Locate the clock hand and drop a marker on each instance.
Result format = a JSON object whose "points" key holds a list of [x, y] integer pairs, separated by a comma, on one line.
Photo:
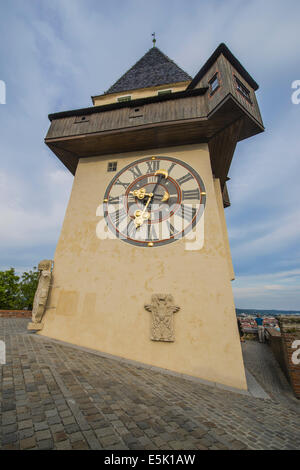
{"points": [[161, 174], [163, 197], [141, 216], [139, 193]]}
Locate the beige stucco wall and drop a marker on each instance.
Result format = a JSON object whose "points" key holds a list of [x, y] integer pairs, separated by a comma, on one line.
{"points": [[220, 205], [100, 286], [139, 93]]}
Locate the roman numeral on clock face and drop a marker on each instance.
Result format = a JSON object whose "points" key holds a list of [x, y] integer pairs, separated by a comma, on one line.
{"points": [[153, 166], [171, 167], [187, 212], [171, 229], [135, 171], [191, 194], [114, 200], [131, 229], [185, 178], [125, 185], [151, 233], [118, 216]]}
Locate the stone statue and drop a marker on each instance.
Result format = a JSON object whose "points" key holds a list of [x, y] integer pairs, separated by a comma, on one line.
{"points": [[162, 309], [41, 294]]}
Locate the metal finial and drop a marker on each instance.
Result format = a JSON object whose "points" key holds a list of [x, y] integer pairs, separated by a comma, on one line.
{"points": [[153, 40]]}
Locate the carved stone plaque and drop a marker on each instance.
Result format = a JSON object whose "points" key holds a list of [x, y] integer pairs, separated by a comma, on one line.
{"points": [[162, 310]]}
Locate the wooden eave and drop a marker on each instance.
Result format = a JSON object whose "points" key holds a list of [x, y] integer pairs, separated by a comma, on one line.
{"points": [[165, 122], [129, 104]]}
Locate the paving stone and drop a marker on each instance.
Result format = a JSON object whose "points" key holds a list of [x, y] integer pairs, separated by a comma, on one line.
{"points": [[92, 440], [71, 428], [42, 435], [109, 440], [76, 436], [38, 418], [25, 424], [59, 436], [24, 416], [68, 420], [47, 444], [9, 438], [56, 428], [41, 426], [65, 413], [54, 420], [63, 445], [9, 428], [28, 443], [24, 433], [80, 445], [11, 419], [49, 413], [12, 446], [105, 432]]}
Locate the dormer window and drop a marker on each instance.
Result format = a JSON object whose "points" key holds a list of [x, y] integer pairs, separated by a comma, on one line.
{"points": [[164, 92], [214, 84], [124, 98], [242, 89]]}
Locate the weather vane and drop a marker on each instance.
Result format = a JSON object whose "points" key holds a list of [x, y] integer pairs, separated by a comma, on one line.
{"points": [[153, 40]]}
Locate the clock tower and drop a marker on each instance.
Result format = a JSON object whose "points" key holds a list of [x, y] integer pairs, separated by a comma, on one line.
{"points": [[142, 269]]}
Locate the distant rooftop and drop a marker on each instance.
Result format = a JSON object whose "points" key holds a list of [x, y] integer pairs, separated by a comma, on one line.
{"points": [[153, 69]]}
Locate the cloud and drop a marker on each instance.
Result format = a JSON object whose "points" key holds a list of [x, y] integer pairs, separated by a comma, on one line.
{"points": [[276, 290], [24, 225]]}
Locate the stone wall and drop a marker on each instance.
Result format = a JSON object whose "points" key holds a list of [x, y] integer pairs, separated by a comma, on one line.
{"points": [[275, 342], [290, 334], [15, 313]]}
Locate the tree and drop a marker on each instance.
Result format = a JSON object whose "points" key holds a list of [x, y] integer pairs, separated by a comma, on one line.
{"points": [[16, 293], [28, 286], [9, 290]]}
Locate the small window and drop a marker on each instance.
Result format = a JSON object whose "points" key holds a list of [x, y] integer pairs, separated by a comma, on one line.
{"points": [[124, 98], [214, 84], [112, 166], [164, 92], [242, 89]]}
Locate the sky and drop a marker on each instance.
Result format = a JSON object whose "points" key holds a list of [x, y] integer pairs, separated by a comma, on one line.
{"points": [[56, 54]]}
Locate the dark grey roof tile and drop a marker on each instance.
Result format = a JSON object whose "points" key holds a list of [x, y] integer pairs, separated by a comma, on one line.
{"points": [[153, 69]]}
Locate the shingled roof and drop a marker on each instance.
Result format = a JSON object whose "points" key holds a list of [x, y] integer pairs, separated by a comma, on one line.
{"points": [[153, 69]]}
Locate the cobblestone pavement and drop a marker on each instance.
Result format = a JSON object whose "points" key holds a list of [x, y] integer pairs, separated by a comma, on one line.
{"points": [[57, 397], [260, 361]]}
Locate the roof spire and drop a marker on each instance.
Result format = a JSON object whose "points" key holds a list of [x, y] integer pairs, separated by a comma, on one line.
{"points": [[153, 40]]}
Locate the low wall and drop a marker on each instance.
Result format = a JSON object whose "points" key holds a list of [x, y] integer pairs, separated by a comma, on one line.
{"points": [[15, 313], [290, 337], [274, 339]]}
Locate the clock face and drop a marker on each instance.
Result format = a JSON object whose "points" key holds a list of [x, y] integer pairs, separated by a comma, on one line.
{"points": [[154, 201]]}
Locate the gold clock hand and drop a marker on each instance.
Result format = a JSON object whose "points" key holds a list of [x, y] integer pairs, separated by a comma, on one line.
{"points": [[139, 193], [141, 216]]}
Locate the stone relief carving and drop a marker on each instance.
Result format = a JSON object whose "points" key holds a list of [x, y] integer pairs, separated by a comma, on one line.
{"points": [[41, 294], [162, 310]]}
